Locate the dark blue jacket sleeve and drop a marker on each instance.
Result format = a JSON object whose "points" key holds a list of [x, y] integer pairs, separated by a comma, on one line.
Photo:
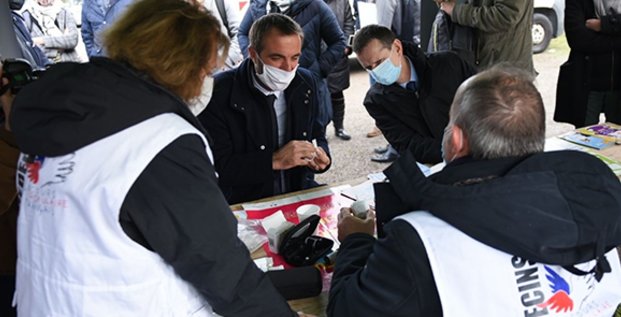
{"points": [[332, 35], [244, 30], [388, 277]]}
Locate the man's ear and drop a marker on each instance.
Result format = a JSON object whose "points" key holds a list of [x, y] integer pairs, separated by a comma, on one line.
{"points": [[252, 53], [399, 46], [459, 142]]}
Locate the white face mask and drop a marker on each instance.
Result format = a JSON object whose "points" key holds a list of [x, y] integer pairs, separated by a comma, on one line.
{"points": [[275, 78], [199, 103]]}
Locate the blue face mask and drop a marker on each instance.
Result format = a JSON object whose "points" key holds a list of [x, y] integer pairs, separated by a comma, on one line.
{"points": [[386, 73]]}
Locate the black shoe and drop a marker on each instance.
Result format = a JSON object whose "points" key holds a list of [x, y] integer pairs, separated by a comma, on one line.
{"points": [[381, 149], [387, 157], [341, 134]]}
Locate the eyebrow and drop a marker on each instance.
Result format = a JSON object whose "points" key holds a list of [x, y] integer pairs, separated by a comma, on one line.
{"points": [[283, 56], [377, 62]]}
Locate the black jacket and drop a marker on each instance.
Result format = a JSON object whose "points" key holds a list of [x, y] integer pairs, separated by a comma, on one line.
{"points": [[415, 121], [243, 126], [338, 79], [594, 62], [559, 208], [175, 207]]}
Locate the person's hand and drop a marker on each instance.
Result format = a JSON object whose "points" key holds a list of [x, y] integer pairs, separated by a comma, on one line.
{"points": [[348, 223], [447, 6], [38, 41], [594, 24], [295, 153], [301, 314], [320, 161], [6, 101]]}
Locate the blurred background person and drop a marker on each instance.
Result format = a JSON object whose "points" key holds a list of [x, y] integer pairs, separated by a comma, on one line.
{"points": [[338, 79], [589, 82], [53, 29], [448, 36], [119, 190], [227, 12], [32, 53], [96, 16], [402, 17], [502, 30]]}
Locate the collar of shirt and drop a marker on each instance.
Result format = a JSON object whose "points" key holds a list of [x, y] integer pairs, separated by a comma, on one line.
{"points": [[413, 75]]}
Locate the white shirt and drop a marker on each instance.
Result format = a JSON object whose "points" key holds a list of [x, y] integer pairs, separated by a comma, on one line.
{"points": [[280, 109]]}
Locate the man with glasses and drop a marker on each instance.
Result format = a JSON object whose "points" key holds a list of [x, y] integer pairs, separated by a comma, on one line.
{"points": [[413, 92]]}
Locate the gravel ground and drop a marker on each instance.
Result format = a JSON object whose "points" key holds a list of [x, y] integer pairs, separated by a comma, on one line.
{"points": [[351, 159]]}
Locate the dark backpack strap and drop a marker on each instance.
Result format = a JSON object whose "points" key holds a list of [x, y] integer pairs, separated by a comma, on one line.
{"points": [[602, 265], [223, 17]]}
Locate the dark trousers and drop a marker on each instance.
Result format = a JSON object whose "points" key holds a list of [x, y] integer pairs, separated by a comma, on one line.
{"points": [[338, 109], [7, 288], [608, 102]]}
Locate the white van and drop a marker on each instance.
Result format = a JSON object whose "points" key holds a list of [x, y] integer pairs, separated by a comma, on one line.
{"points": [[547, 23]]}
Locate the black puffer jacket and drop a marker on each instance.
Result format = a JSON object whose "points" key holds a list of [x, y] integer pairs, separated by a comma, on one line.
{"points": [[555, 208]]}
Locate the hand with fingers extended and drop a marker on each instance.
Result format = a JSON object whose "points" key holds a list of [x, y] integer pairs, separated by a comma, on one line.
{"points": [[295, 153], [320, 161], [348, 223]]}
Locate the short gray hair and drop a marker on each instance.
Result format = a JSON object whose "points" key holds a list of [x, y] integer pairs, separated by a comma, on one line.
{"points": [[282, 23], [501, 113]]}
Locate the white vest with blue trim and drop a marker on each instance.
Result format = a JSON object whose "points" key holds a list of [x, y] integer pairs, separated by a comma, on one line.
{"points": [[74, 259], [474, 279]]}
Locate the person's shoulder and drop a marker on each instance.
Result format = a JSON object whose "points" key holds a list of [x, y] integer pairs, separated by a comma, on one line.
{"points": [[444, 57], [258, 4], [306, 77], [225, 76], [305, 74], [449, 61], [374, 96]]}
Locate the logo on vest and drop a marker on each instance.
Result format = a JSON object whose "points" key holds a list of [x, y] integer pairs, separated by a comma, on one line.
{"points": [[35, 179], [529, 287], [560, 300], [33, 166]]}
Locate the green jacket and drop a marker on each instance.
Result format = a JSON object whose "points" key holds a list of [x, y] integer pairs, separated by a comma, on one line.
{"points": [[502, 29]]}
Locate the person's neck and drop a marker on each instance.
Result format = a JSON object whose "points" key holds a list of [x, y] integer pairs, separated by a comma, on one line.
{"points": [[406, 72]]}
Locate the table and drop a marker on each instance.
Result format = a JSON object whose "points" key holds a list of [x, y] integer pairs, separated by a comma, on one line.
{"points": [[317, 305], [313, 305]]}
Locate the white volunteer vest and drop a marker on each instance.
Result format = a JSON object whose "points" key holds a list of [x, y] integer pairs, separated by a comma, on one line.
{"points": [[474, 279], [74, 259]]}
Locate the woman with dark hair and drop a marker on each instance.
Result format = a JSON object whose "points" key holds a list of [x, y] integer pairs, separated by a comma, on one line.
{"points": [[120, 211]]}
